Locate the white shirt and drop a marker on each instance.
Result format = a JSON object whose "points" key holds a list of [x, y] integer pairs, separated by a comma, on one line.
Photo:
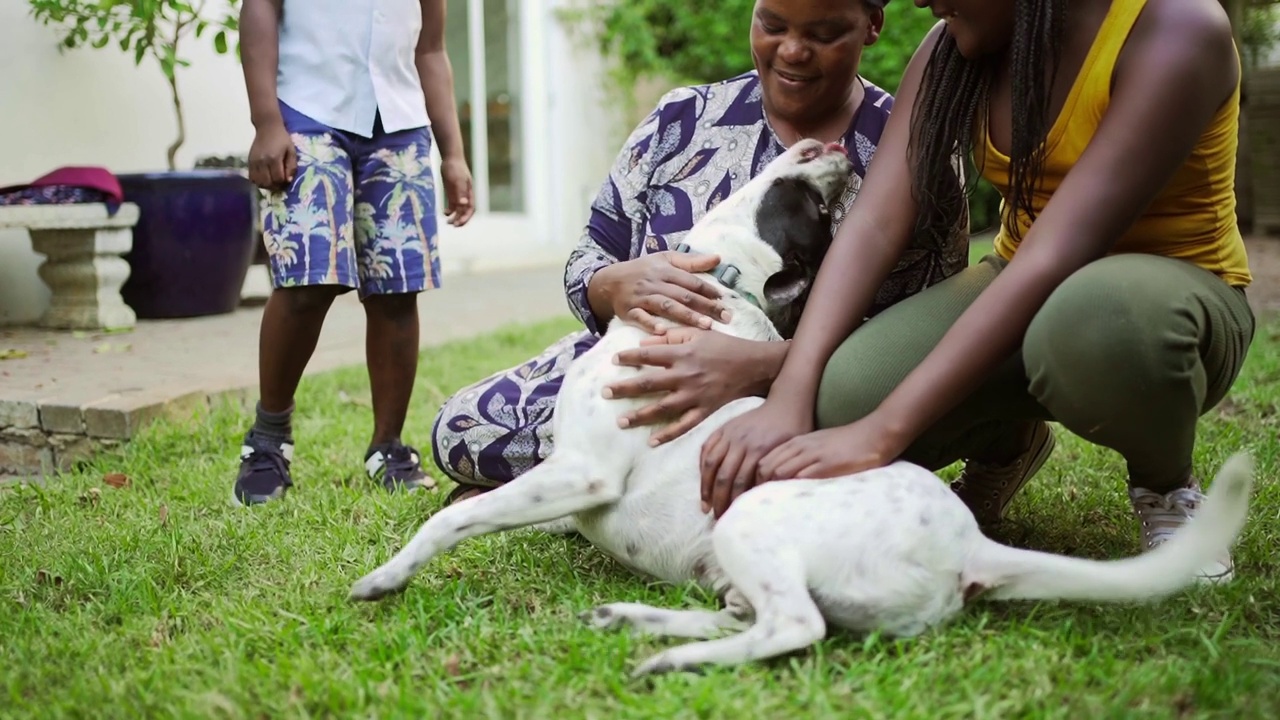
{"points": [[343, 61]]}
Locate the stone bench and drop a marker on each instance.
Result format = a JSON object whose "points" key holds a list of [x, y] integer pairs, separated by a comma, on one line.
{"points": [[84, 268]]}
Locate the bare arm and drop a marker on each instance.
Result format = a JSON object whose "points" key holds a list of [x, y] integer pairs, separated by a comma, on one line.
{"points": [[273, 160], [260, 56], [436, 75], [867, 246], [1179, 63]]}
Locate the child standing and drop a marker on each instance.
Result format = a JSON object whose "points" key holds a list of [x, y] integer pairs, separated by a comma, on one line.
{"points": [[345, 96]]}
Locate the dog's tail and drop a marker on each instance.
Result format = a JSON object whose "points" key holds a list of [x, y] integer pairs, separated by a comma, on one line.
{"points": [[1012, 574]]}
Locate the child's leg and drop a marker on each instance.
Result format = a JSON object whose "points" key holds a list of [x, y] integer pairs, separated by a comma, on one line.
{"points": [[396, 232], [308, 233], [291, 324]]}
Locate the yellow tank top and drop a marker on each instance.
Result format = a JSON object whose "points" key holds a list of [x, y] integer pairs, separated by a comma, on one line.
{"points": [[1194, 216]]}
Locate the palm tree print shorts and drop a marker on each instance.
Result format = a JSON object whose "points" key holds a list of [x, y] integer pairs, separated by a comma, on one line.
{"points": [[361, 212]]}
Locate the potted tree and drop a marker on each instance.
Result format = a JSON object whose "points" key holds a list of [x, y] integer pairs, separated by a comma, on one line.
{"points": [[197, 228]]}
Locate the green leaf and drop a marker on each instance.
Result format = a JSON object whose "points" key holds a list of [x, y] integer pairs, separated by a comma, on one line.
{"points": [[220, 42]]}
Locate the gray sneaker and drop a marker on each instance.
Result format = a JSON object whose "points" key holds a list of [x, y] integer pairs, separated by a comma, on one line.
{"points": [[988, 488], [1162, 515], [398, 467]]}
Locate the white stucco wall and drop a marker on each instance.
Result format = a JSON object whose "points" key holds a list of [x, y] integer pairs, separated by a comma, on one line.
{"points": [[95, 107]]}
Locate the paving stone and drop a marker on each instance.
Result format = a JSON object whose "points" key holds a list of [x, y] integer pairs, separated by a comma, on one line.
{"points": [[120, 416], [19, 414], [56, 417]]}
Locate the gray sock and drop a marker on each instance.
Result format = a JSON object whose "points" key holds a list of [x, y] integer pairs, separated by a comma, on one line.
{"points": [[274, 426]]}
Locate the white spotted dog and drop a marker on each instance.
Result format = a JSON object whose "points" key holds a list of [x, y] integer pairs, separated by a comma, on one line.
{"points": [[891, 550]]}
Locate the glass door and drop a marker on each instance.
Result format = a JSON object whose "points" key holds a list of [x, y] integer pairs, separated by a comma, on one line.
{"points": [[483, 40]]}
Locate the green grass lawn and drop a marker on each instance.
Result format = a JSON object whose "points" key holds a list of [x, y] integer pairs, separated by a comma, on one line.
{"points": [[160, 599]]}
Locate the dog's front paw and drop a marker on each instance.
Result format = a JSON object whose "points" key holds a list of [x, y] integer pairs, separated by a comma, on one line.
{"points": [[605, 617], [377, 585]]}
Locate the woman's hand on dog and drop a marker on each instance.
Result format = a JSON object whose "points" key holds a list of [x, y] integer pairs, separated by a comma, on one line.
{"points": [[692, 373], [862, 445], [731, 456], [659, 285]]}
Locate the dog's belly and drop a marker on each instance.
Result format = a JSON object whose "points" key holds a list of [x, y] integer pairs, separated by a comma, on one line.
{"points": [[881, 549], [654, 536]]}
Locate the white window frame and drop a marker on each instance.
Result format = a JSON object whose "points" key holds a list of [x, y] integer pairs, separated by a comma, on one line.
{"points": [[503, 239]]}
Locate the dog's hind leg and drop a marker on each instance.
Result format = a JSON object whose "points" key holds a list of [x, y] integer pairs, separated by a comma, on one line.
{"points": [[673, 623], [771, 578], [558, 487]]}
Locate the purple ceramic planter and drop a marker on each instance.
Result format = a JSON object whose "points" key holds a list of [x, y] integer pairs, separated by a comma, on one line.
{"points": [[193, 243]]}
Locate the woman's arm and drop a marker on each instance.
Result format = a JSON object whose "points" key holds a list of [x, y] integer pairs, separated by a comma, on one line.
{"points": [[867, 246], [607, 237], [602, 277], [1178, 67]]}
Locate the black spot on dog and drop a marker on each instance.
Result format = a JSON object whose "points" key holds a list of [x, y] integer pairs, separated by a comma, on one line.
{"points": [[793, 219], [535, 499], [924, 520], [633, 549], [603, 613], [594, 487]]}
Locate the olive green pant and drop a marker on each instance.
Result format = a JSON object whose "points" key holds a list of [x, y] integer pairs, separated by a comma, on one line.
{"points": [[1127, 353]]}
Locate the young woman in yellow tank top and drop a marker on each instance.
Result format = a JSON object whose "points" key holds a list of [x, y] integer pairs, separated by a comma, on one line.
{"points": [[1114, 301]]}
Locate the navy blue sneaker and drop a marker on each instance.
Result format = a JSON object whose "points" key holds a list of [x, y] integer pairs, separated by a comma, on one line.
{"points": [[264, 470], [397, 467]]}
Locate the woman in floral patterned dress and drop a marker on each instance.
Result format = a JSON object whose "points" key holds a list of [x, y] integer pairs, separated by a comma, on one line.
{"points": [[699, 145]]}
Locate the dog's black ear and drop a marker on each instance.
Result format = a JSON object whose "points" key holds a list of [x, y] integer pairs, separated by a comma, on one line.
{"points": [[793, 219], [787, 285]]}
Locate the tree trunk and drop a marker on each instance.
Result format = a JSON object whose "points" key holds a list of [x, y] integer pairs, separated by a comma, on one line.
{"points": [[182, 125]]}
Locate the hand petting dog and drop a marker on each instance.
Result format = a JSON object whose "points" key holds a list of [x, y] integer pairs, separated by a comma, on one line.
{"points": [[699, 372]]}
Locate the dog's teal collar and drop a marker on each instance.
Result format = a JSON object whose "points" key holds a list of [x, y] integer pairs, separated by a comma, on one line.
{"points": [[727, 274]]}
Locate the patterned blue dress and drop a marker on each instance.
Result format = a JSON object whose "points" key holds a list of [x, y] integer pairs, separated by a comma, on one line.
{"points": [[699, 145]]}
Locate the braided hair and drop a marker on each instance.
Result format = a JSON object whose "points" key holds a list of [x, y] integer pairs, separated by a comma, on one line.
{"points": [[952, 102]]}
